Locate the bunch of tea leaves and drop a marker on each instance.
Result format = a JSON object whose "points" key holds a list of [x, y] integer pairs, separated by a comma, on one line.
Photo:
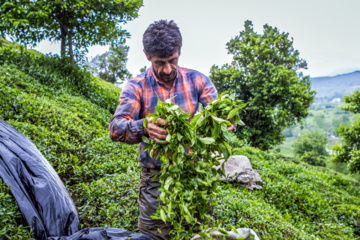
{"points": [[188, 180]]}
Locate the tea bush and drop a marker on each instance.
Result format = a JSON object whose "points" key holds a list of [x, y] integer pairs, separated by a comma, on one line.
{"points": [[67, 125], [12, 224], [62, 77], [111, 200], [66, 112]]}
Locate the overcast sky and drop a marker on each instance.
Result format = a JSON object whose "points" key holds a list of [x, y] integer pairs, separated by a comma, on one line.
{"points": [[326, 33]]}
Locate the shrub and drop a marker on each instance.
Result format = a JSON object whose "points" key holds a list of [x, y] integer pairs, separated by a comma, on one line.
{"points": [[12, 224], [70, 128], [310, 147]]}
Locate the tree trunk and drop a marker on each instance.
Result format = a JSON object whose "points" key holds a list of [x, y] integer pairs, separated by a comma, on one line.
{"points": [[72, 62], [63, 43]]}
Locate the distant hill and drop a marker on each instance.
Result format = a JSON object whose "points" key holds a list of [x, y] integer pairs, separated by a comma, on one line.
{"points": [[328, 88]]}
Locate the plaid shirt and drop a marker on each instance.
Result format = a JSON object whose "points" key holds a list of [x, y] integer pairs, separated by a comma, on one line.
{"points": [[139, 98]]}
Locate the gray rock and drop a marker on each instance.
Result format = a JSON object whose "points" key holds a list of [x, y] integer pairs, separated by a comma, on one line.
{"points": [[239, 169], [241, 233]]}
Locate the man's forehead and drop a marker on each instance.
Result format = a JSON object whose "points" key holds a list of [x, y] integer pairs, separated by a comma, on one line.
{"points": [[175, 55]]}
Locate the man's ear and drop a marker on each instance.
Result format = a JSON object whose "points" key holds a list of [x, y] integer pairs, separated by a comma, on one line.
{"points": [[147, 56]]}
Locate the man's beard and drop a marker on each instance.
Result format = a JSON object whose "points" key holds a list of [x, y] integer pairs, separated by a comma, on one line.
{"points": [[167, 77]]}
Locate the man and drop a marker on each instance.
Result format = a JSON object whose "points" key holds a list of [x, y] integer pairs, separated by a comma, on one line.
{"points": [[187, 88]]}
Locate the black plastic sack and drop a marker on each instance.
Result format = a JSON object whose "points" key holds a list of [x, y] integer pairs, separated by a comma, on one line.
{"points": [[104, 234], [41, 196]]}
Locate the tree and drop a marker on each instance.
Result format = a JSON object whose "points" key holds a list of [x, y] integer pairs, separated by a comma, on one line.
{"points": [[111, 66], [349, 150], [143, 69], [287, 132], [78, 24], [320, 123], [343, 120], [265, 73], [310, 147]]}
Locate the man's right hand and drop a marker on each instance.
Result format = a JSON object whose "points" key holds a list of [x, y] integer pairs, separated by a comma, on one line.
{"points": [[154, 131]]}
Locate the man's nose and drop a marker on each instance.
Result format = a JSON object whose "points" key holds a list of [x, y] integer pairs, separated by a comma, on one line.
{"points": [[167, 68]]}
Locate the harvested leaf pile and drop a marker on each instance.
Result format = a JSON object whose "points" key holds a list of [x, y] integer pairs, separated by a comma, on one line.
{"points": [[189, 181]]}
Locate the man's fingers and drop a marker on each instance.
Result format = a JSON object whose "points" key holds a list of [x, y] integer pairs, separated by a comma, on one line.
{"points": [[161, 121], [230, 128], [154, 128], [158, 136], [163, 131], [160, 141], [158, 121], [157, 132]]}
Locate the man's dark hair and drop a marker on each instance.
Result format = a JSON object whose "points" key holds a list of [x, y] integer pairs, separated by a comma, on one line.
{"points": [[162, 39]]}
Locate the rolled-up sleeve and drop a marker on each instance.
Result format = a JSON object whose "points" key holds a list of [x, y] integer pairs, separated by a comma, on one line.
{"points": [[207, 90], [126, 126]]}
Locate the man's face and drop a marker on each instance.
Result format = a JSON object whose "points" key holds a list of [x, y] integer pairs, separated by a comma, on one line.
{"points": [[165, 68]]}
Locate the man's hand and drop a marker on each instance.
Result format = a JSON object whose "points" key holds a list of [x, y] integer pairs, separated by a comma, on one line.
{"points": [[155, 132], [232, 127]]}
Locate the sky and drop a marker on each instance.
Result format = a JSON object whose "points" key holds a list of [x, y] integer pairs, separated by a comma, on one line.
{"points": [[326, 33]]}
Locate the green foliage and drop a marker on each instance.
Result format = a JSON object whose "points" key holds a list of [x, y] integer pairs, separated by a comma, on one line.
{"points": [[265, 73], [297, 202], [288, 132], [189, 182], [111, 201], [69, 127], [111, 66], [343, 120], [62, 77], [143, 69], [348, 151], [332, 119], [310, 147], [319, 120], [77, 23], [12, 224], [17, 47]]}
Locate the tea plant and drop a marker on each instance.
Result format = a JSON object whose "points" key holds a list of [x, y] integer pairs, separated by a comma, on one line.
{"points": [[11, 223], [69, 125], [189, 181]]}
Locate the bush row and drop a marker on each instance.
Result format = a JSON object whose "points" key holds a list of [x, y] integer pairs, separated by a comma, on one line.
{"points": [[70, 128]]}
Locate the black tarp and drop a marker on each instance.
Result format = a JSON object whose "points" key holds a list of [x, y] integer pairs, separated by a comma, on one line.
{"points": [[41, 196]]}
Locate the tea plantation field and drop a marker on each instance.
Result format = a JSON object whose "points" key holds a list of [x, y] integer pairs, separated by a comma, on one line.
{"points": [[65, 111]]}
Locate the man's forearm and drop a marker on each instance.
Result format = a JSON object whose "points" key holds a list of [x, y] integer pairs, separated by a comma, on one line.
{"points": [[126, 130]]}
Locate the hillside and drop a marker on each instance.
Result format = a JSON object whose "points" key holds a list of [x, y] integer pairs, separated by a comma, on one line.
{"points": [[328, 88], [65, 111]]}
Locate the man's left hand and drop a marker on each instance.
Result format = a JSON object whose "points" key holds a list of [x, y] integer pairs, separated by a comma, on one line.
{"points": [[232, 127]]}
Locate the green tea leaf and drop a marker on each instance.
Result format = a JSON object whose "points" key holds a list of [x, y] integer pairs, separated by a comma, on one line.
{"points": [[155, 119], [145, 123], [162, 215], [233, 112], [168, 137], [207, 140], [168, 182], [241, 123], [219, 120]]}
